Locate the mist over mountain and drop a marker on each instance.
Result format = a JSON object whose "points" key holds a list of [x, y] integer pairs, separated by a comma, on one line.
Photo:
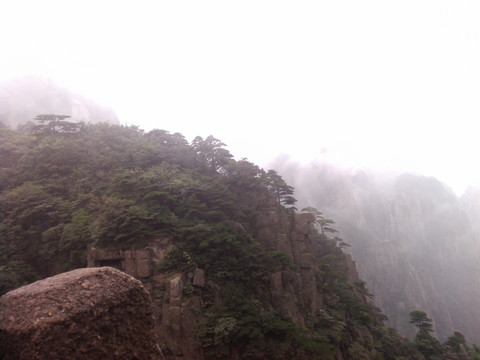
{"points": [[233, 272], [23, 98], [414, 241]]}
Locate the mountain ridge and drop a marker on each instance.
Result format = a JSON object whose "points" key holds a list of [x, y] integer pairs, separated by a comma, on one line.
{"points": [[238, 272], [413, 240]]}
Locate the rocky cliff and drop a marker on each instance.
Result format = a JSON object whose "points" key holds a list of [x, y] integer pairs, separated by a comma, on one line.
{"points": [[181, 299], [414, 242], [233, 271]]}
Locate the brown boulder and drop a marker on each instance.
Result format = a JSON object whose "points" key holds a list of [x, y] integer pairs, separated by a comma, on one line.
{"points": [[199, 278], [91, 313]]}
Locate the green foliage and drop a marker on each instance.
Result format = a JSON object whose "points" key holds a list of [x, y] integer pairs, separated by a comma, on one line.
{"points": [[9, 279], [283, 192], [424, 342], [175, 259], [67, 185], [211, 153], [121, 222], [64, 187], [324, 224], [348, 312], [357, 351], [421, 321], [247, 328], [474, 352], [49, 124], [283, 259], [455, 341], [215, 335], [76, 233]]}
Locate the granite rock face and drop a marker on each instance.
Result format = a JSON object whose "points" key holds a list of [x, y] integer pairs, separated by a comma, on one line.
{"points": [[175, 316], [92, 313], [415, 243], [293, 290]]}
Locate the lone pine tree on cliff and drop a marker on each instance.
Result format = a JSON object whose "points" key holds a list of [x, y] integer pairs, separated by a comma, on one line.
{"points": [[49, 124], [424, 341], [324, 224], [211, 152], [282, 191]]}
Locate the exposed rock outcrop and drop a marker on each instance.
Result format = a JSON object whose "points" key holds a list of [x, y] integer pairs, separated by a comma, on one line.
{"points": [[175, 316], [92, 313], [179, 300], [292, 289], [414, 243]]}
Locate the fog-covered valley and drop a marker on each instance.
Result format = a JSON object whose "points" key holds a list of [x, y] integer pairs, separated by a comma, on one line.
{"points": [[415, 242], [269, 256], [277, 180]]}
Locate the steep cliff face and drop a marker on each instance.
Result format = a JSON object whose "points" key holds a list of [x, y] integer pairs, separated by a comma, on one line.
{"points": [[294, 290], [322, 291], [232, 271], [411, 238], [182, 301]]}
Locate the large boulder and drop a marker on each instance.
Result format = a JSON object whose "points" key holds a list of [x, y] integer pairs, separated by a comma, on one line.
{"points": [[91, 313]]}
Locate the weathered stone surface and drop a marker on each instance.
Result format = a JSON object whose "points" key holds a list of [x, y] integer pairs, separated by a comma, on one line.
{"points": [[176, 291], [276, 281], [96, 256], [142, 254], [92, 313], [303, 222], [143, 268], [291, 281], [284, 244], [176, 287], [307, 261], [199, 278], [130, 264]]}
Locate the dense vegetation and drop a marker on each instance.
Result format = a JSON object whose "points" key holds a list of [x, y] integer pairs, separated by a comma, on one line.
{"points": [[116, 186], [66, 186]]}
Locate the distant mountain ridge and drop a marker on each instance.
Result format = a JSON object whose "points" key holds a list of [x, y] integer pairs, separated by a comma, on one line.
{"points": [[163, 210], [23, 98], [232, 270], [414, 241]]}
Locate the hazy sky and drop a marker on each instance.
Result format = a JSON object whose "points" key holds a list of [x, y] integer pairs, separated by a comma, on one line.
{"points": [[387, 84]]}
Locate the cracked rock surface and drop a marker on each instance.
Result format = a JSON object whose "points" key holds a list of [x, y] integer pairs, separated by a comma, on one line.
{"points": [[91, 313]]}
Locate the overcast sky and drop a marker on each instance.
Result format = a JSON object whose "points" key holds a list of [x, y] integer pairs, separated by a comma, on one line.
{"points": [[385, 84]]}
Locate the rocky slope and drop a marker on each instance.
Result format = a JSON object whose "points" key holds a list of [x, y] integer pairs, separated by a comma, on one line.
{"points": [[297, 291], [234, 272], [414, 241]]}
